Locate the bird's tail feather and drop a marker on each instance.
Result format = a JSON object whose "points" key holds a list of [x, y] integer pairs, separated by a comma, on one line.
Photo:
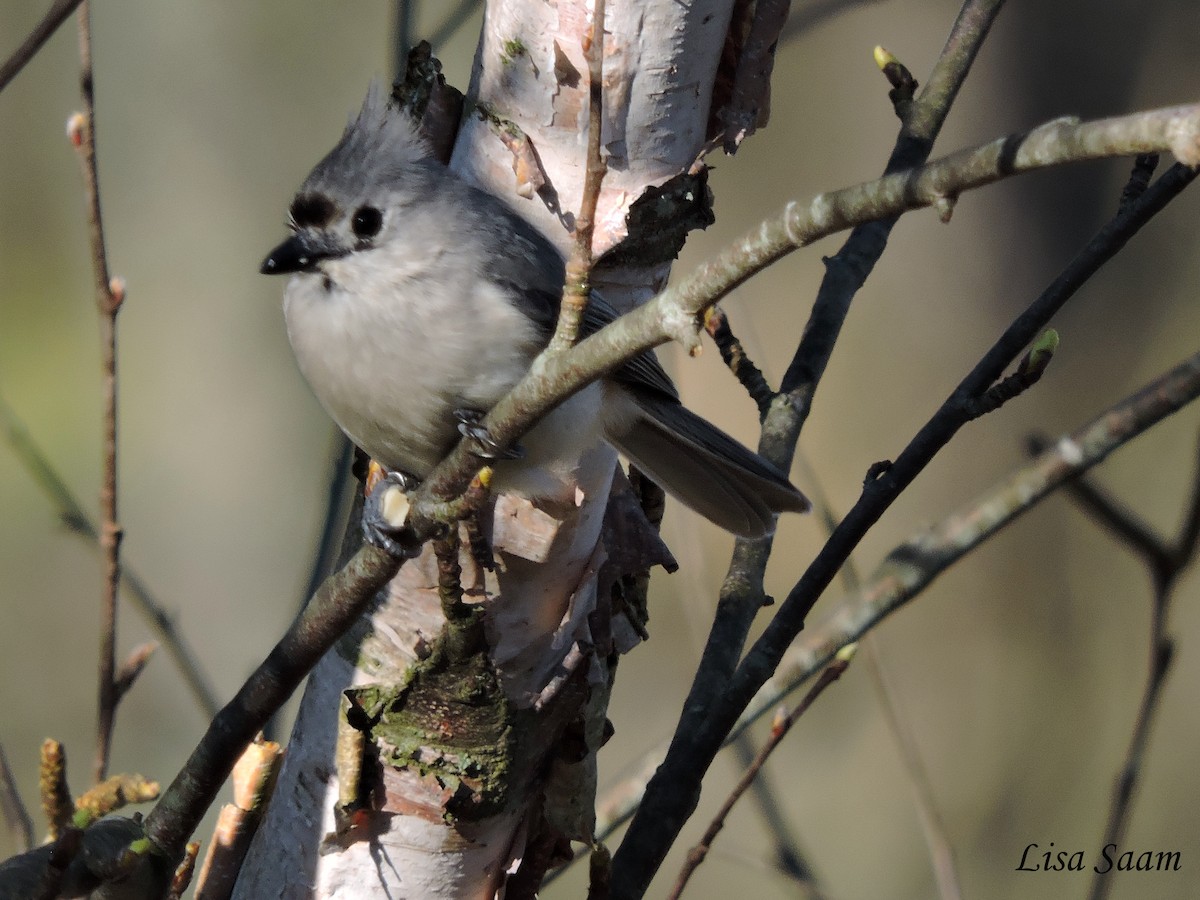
{"points": [[704, 468]]}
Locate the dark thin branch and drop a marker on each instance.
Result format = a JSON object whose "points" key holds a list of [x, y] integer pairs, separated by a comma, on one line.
{"points": [[55, 16], [742, 593], [1189, 532], [1164, 562], [342, 598], [110, 293], [1162, 651], [787, 854], [77, 521], [405, 13], [815, 12], [16, 816], [455, 19], [674, 791], [1115, 516], [1139, 178], [733, 354], [779, 731]]}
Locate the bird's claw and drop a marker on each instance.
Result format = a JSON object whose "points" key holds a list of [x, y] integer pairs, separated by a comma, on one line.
{"points": [[386, 513], [486, 447]]}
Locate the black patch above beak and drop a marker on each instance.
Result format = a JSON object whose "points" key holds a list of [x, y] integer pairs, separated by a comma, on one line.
{"points": [[296, 254]]}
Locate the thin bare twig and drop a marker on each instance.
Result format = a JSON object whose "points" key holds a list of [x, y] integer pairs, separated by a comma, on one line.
{"points": [[55, 16], [1124, 523], [78, 522], [132, 667], [109, 295], [734, 355], [576, 288], [254, 779], [1165, 562], [742, 593], [16, 816], [787, 856], [183, 872], [779, 731], [933, 827]]}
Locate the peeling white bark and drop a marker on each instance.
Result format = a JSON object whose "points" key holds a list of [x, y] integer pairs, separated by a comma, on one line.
{"points": [[660, 63]]}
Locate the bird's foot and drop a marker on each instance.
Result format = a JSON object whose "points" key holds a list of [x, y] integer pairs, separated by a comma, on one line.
{"points": [[386, 513]]}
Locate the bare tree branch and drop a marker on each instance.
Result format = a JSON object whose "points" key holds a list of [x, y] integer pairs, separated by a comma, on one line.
{"points": [[341, 600], [779, 730], [674, 790], [674, 313], [55, 16], [110, 293]]}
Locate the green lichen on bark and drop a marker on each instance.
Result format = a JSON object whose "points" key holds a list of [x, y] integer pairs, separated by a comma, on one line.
{"points": [[449, 720]]}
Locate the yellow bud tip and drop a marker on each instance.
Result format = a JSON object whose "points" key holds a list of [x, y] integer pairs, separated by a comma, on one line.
{"points": [[780, 718], [75, 126], [1041, 352], [485, 476], [1047, 343], [883, 58], [846, 653]]}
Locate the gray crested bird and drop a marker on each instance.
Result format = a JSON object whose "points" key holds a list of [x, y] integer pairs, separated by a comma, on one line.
{"points": [[415, 296]]}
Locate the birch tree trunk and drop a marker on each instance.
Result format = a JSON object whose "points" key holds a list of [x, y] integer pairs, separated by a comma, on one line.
{"points": [[455, 793]]}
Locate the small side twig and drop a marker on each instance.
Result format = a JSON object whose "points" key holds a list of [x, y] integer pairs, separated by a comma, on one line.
{"points": [[183, 872], [55, 16], [716, 323], [1144, 165], [16, 816], [254, 779], [1029, 372], [1126, 525], [112, 794], [779, 729], [110, 293], [787, 856], [132, 667], [579, 264]]}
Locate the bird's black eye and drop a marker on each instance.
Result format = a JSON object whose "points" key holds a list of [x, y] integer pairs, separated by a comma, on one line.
{"points": [[366, 222]]}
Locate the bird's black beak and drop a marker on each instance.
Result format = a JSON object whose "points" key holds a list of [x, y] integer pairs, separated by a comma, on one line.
{"points": [[296, 254]]}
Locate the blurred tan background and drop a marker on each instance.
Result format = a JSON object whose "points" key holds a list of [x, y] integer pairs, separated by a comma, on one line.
{"points": [[1019, 671]]}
